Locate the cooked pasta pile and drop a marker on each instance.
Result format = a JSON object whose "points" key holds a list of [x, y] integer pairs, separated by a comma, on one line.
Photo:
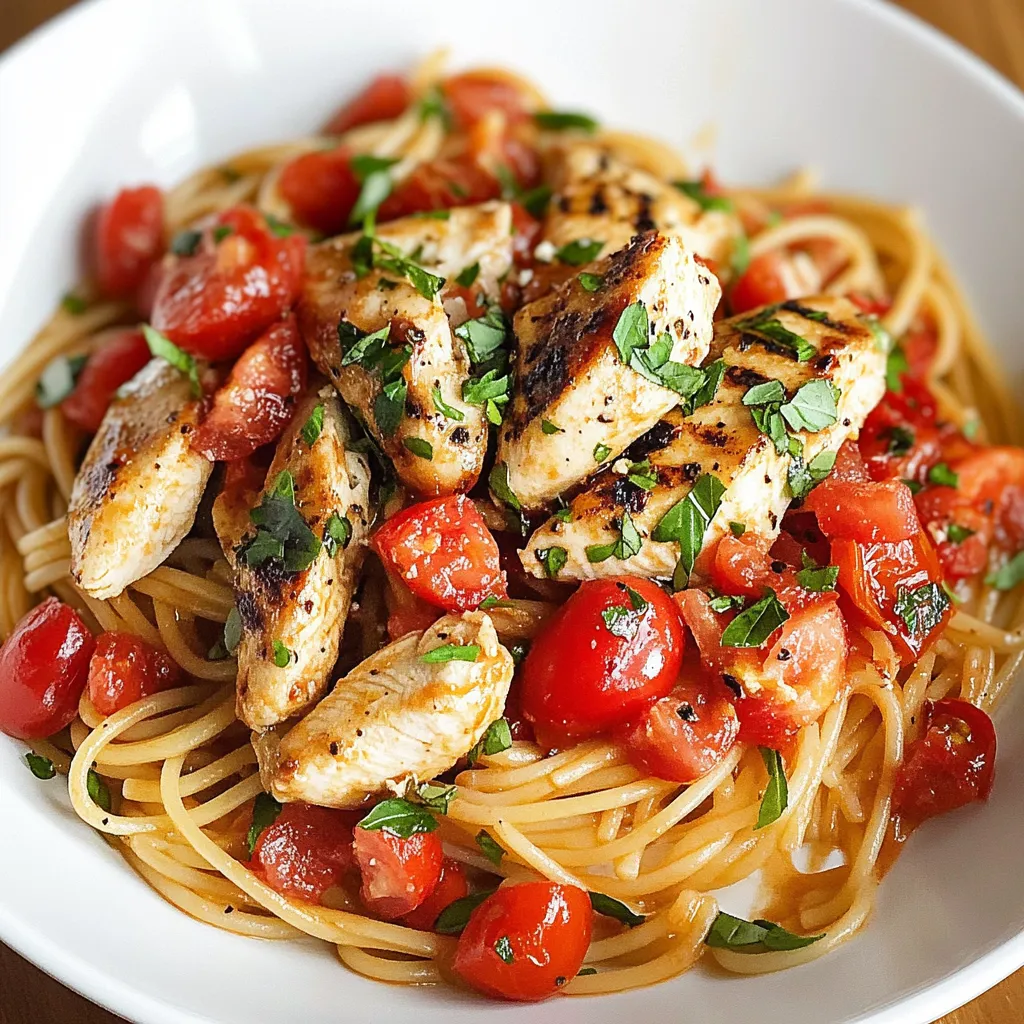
{"points": [[182, 772]]}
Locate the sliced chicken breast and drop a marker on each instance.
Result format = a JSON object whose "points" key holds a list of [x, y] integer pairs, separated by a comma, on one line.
{"points": [[721, 440], [576, 403], [292, 621], [599, 197], [394, 717], [140, 484], [435, 439]]}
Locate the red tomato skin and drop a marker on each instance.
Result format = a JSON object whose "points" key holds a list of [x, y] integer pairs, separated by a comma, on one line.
{"points": [[258, 400], [761, 284], [398, 874], [579, 679], [451, 886], [305, 851], [441, 184], [129, 239], [386, 97], [116, 360], [951, 765], [44, 665], [548, 928], [407, 613], [212, 304], [682, 749], [442, 550], [321, 188], [867, 513], [124, 669], [474, 94]]}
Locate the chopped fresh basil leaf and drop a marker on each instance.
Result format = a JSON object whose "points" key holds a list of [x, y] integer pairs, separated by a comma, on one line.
{"points": [[446, 410], [895, 366], [901, 440], [921, 608], [687, 521], [563, 515], [468, 275], [559, 120], [586, 972], [818, 579], [765, 394], [726, 603], [628, 544], [492, 849], [165, 349], [737, 529], [590, 282], [488, 388], [430, 794], [232, 630], [752, 627], [497, 737], [740, 255], [485, 335], [536, 200], [553, 560], [451, 652], [282, 534], [221, 232], [313, 426], [282, 655], [504, 949], [641, 475], [400, 817], [265, 810], [419, 447], [583, 250], [609, 907], [631, 330], [498, 481], [372, 172], [705, 394], [185, 243], [1009, 575], [74, 304], [697, 191], [813, 407], [941, 475], [337, 534], [41, 767], [278, 227], [741, 936], [601, 452], [776, 796], [915, 486], [971, 427], [361, 348], [494, 602], [518, 652], [454, 918], [957, 534], [765, 324], [58, 380], [624, 622], [97, 790], [550, 428], [389, 406], [432, 214]]}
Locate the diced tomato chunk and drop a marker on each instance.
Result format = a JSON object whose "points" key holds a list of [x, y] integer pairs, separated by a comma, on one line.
{"points": [[258, 400], [129, 239], [124, 669], [474, 94], [398, 873], [240, 280], [305, 851], [440, 185], [865, 512], [451, 886], [321, 188], [952, 763], [118, 356], [762, 283], [442, 550], [386, 97], [524, 942], [44, 665]]}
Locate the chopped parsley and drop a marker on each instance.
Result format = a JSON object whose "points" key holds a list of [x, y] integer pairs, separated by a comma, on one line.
{"points": [[449, 412], [282, 535], [282, 655], [590, 282], [490, 391], [601, 452], [451, 652], [941, 475], [548, 427], [337, 534], [313, 426], [485, 335]]}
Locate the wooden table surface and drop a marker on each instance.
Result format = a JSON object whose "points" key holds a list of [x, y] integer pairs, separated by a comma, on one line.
{"points": [[994, 29]]}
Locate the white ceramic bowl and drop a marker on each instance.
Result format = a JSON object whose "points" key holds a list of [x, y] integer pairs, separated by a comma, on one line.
{"points": [[124, 91]]}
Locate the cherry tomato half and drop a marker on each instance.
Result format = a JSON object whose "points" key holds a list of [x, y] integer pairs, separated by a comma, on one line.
{"points": [[441, 185], [762, 283], [442, 550], [258, 400], [129, 239], [44, 665], [526, 941], [124, 669], [305, 851], [321, 189], [240, 280], [952, 764], [398, 874], [119, 355], [611, 650], [384, 98], [451, 886]]}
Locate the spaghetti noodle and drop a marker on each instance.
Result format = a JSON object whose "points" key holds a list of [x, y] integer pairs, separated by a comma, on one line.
{"points": [[181, 770]]}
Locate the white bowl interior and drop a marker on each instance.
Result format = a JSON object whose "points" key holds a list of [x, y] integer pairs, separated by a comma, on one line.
{"points": [[150, 91]]}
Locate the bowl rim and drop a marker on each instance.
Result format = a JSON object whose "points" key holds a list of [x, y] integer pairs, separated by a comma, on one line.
{"points": [[927, 1003]]}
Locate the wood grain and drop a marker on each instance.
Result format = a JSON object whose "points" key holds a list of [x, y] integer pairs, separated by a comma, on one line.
{"points": [[994, 29]]}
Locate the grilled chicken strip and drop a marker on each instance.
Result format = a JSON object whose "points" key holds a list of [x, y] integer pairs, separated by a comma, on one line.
{"points": [[435, 451], [599, 197], [576, 404], [392, 718], [721, 439], [138, 488], [292, 621]]}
